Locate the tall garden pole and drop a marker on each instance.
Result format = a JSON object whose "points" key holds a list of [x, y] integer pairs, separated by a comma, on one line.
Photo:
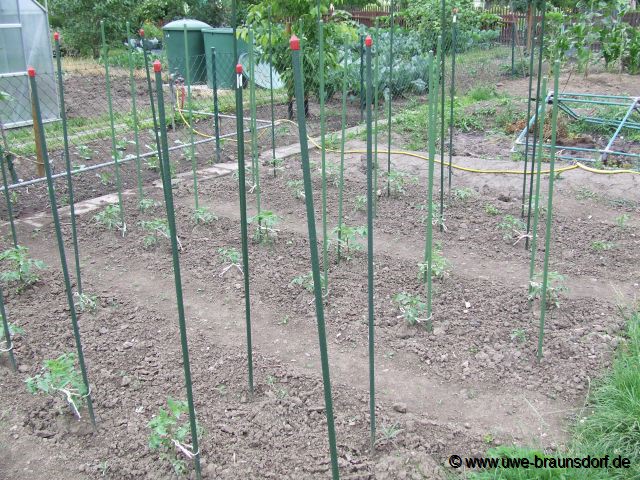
{"points": [[171, 220], [67, 164], [533, 26], [255, 163], [63, 258], [370, 166], [313, 245], [343, 126], [536, 210], [376, 80], [390, 94], [325, 236], [134, 112], [540, 125], [243, 219], [114, 149], [442, 114], [192, 148], [513, 41], [7, 334], [547, 242], [7, 197], [153, 106], [273, 116], [216, 110], [362, 94], [454, 45]]}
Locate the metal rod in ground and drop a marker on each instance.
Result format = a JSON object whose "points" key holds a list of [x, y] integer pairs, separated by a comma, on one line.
{"points": [[114, 148], [530, 86], [192, 149], [4, 158], [533, 152], [171, 220], [63, 258], [433, 115], [7, 333], [443, 58], [255, 163], [243, 219], [145, 48], [513, 41], [376, 81], [323, 159], [547, 241], [134, 113], [343, 126], [313, 245], [370, 195], [362, 94], [273, 116], [454, 45], [536, 203], [67, 164], [216, 117], [390, 97]]}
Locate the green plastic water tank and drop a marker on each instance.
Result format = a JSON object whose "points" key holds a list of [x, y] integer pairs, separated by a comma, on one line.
{"points": [[222, 40], [191, 54]]}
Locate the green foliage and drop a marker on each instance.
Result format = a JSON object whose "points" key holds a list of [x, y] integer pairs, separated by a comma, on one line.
{"points": [[22, 269], [204, 216], [491, 210], [511, 227], [555, 287], [155, 229], [622, 220], [464, 194], [306, 281], [109, 217], [412, 308], [439, 264], [266, 222], [297, 188], [601, 245], [13, 329], [230, 256], [398, 181], [345, 239], [148, 204], [60, 377], [86, 302], [360, 203], [170, 431]]}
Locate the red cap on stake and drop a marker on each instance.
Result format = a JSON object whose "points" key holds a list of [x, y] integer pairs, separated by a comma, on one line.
{"points": [[294, 43], [31, 72], [157, 66], [141, 32], [239, 69], [56, 36], [368, 41]]}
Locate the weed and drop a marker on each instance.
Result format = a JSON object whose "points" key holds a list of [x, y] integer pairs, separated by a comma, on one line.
{"points": [[555, 287], [360, 203], [583, 193], [231, 256], [266, 231], [491, 210], [86, 302], [203, 216], [439, 264], [109, 217], [488, 438], [601, 245], [285, 320], [306, 281], [389, 433], [297, 188], [412, 308], [169, 434], [345, 239], [511, 228], [398, 182], [482, 93], [519, 335], [13, 330], [60, 377], [23, 270], [622, 220], [221, 389]]}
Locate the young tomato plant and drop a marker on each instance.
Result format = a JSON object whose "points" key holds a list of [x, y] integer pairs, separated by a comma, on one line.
{"points": [[555, 287], [203, 216], [412, 307], [169, 434], [297, 188], [155, 230], [345, 239], [231, 256], [360, 203], [512, 227], [398, 182], [109, 217], [23, 270], [266, 222], [439, 264], [463, 194], [60, 376], [306, 281], [86, 302], [148, 204]]}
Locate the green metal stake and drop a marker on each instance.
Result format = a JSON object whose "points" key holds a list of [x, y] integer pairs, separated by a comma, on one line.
{"points": [[7, 334], [116, 153], [4, 155], [255, 164], [273, 116], [536, 211], [134, 114], [547, 242], [171, 219], [63, 258], [454, 44], [325, 235], [375, 114], [67, 164], [390, 93], [433, 115], [513, 42], [343, 125], [362, 94], [243, 219], [153, 106], [216, 119], [440, 78], [192, 148], [372, 382], [313, 245]]}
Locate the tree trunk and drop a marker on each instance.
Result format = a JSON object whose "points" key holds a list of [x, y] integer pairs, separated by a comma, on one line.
{"points": [[530, 32]]}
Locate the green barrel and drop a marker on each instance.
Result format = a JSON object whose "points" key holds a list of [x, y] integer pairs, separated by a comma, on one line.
{"points": [[174, 40], [222, 40]]}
